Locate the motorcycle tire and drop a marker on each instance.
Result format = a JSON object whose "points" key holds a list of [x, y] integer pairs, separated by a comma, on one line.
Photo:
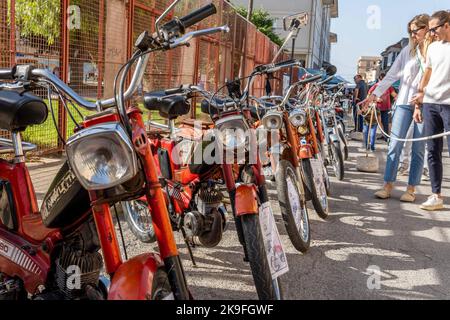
{"points": [[341, 133], [256, 254], [291, 205], [161, 289], [322, 211], [337, 161]]}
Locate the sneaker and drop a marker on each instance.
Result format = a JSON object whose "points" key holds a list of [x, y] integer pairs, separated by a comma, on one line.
{"points": [[433, 203]]}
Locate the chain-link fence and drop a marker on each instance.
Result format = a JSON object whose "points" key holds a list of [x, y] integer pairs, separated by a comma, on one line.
{"points": [[85, 42]]}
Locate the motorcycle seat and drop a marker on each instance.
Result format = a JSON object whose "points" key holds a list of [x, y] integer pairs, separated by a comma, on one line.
{"points": [[169, 108], [215, 106], [259, 112], [19, 110]]}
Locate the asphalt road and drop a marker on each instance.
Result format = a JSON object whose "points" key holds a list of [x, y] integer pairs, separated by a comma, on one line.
{"points": [[367, 249]]}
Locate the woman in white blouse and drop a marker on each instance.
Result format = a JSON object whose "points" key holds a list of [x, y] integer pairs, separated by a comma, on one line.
{"points": [[408, 68]]}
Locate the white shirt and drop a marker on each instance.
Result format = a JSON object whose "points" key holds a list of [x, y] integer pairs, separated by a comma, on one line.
{"points": [[409, 70], [438, 59]]}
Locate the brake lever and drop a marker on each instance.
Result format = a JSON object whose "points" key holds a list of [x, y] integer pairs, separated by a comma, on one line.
{"points": [[184, 40]]}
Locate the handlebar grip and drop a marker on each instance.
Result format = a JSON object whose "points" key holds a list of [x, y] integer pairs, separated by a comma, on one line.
{"points": [[7, 74], [198, 15]]}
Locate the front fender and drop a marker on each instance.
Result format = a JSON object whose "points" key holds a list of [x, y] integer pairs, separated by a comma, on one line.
{"points": [[133, 280], [246, 200]]}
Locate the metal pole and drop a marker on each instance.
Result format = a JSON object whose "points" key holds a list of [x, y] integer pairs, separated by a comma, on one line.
{"points": [[250, 10], [64, 70], [101, 48], [12, 36]]}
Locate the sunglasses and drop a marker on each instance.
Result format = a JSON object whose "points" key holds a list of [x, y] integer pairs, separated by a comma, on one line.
{"points": [[416, 31], [434, 30]]}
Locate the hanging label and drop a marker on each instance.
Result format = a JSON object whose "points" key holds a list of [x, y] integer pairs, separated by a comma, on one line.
{"points": [[319, 181], [276, 256]]}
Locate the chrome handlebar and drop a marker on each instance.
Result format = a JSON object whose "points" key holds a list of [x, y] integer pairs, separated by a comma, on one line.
{"points": [[136, 80]]}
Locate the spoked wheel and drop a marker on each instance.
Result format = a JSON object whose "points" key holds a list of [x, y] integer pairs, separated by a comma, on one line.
{"points": [[337, 161], [318, 187], [266, 288], [139, 220], [293, 208]]}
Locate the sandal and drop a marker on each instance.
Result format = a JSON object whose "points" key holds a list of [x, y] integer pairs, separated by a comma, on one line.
{"points": [[408, 196], [383, 194]]}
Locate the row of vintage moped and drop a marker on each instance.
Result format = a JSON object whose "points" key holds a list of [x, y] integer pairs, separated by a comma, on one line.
{"points": [[167, 178]]}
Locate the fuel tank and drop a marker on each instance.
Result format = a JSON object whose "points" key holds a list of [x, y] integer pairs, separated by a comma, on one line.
{"points": [[66, 200]]}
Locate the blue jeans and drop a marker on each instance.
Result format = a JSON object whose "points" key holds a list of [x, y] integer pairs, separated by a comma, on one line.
{"points": [[358, 119], [437, 119], [373, 136], [385, 121], [401, 121]]}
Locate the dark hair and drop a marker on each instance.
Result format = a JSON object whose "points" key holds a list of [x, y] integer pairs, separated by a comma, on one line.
{"points": [[443, 16], [382, 75]]}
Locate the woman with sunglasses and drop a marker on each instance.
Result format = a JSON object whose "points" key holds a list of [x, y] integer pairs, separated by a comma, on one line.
{"points": [[434, 92], [408, 68]]}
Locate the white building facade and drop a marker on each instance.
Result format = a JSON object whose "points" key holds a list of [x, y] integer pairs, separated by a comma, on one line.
{"points": [[313, 45]]}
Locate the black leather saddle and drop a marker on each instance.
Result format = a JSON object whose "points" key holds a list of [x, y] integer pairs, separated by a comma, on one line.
{"points": [[19, 110], [169, 108]]}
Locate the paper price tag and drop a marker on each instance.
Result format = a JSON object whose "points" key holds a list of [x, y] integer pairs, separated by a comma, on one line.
{"points": [[319, 180], [272, 242]]}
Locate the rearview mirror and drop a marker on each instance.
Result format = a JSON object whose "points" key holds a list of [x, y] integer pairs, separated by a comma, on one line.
{"points": [[295, 21]]}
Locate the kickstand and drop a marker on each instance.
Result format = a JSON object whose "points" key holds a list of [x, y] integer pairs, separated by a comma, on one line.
{"points": [[188, 245]]}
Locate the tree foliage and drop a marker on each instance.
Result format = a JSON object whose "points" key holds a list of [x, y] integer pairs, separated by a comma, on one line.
{"points": [[263, 22], [37, 18]]}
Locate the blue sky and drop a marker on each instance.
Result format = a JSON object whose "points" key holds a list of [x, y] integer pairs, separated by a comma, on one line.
{"points": [[356, 39]]}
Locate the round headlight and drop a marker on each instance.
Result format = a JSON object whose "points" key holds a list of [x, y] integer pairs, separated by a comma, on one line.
{"points": [[102, 156], [233, 132], [273, 120], [297, 118]]}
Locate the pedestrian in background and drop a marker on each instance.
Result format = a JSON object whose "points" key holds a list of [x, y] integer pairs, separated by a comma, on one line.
{"points": [[408, 68], [359, 95], [434, 93], [384, 103]]}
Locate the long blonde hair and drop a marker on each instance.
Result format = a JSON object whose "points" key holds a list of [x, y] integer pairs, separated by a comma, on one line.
{"points": [[420, 21]]}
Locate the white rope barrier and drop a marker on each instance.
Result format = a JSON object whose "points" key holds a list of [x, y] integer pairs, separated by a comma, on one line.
{"points": [[436, 136]]}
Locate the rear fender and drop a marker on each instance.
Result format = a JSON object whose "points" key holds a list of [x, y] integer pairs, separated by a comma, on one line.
{"points": [[133, 280], [246, 200]]}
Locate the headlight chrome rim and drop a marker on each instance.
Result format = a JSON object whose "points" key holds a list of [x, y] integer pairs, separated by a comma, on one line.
{"points": [[273, 120], [84, 140], [235, 123], [297, 118]]}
